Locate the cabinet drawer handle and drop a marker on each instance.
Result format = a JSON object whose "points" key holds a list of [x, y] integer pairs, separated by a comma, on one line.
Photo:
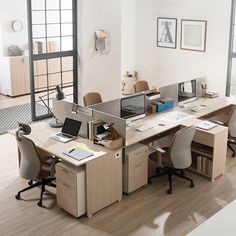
{"points": [[138, 165], [67, 186], [64, 170]]}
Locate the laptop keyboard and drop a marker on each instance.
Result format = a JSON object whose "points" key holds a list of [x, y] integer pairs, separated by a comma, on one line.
{"points": [[64, 135]]}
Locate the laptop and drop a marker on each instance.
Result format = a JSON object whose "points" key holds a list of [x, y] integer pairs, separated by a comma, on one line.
{"points": [[70, 131]]}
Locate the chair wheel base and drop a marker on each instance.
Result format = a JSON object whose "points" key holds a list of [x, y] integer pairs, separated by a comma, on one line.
{"points": [[169, 191], [192, 185], [17, 196], [40, 204], [30, 182]]}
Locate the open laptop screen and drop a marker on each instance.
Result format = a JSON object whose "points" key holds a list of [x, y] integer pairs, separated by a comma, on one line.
{"points": [[71, 127]]}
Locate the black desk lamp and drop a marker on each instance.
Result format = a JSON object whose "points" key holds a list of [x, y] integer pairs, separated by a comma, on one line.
{"points": [[59, 96]]}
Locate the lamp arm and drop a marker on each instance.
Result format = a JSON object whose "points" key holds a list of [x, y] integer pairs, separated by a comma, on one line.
{"points": [[48, 107]]}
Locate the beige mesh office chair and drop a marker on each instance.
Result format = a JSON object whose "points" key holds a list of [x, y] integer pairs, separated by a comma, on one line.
{"points": [[177, 157], [33, 167], [141, 86], [92, 98]]}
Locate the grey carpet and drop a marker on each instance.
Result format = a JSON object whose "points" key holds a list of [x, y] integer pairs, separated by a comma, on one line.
{"points": [[10, 116]]}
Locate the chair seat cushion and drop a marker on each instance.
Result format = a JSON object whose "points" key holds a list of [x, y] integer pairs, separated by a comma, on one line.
{"points": [[45, 171]]}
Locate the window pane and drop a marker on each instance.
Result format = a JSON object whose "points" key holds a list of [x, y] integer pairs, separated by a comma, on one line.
{"points": [[54, 65], [66, 16], [54, 79], [52, 4], [66, 43], [67, 63], [39, 46], [37, 5], [40, 67], [233, 78], [66, 4], [54, 44], [67, 77], [53, 17], [39, 31], [66, 29], [38, 17], [53, 30]]}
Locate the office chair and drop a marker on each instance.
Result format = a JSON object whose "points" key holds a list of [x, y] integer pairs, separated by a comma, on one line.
{"points": [[177, 157], [141, 86], [33, 166], [231, 124], [92, 99]]}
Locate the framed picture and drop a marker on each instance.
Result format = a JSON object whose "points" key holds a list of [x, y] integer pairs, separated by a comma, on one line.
{"points": [[193, 35], [166, 32]]}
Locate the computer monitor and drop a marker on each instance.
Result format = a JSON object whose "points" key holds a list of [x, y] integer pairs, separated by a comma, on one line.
{"points": [[132, 107], [186, 92]]}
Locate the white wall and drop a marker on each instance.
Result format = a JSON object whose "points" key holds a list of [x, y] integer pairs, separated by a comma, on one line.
{"points": [[161, 66], [11, 10], [99, 72]]}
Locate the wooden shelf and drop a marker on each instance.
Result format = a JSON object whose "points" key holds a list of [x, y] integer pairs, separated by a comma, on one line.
{"points": [[202, 150]]}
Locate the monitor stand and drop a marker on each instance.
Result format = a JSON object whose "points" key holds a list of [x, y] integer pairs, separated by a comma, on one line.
{"points": [[128, 120]]}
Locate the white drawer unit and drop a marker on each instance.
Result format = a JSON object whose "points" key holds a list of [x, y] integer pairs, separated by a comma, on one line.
{"points": [[135, 167], [71, 188]]}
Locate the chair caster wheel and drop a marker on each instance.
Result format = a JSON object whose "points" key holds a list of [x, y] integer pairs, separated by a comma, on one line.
{"points": [[40, 204], [149, 181], [169, 191], [192, 185], [17, 196], [30, 182]]}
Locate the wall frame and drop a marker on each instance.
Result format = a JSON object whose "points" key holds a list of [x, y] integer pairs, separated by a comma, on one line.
{"points": [[193, 35], [166, 32]]}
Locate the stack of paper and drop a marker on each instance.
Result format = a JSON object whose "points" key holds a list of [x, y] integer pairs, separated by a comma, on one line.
{"points": [[206, 125]]}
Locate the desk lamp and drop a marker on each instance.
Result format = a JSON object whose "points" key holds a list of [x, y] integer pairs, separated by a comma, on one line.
{"points": [[59, 96]]}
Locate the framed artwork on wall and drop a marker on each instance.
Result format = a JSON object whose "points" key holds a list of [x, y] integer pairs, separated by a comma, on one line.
{"points": [[193, 35], [166, 32]]}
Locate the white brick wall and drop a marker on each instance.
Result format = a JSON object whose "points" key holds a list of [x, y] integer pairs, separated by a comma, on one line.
{"points": [[161, 66]]}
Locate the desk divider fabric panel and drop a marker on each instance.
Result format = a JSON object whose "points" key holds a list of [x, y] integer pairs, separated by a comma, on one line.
{"points": [[63, 109]]}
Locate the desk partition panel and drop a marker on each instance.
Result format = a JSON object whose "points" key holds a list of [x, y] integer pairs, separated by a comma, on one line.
{"points": [[63, 109]]}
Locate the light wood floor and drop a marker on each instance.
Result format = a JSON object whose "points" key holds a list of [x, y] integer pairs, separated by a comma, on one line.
{"points": [[148, 211]]}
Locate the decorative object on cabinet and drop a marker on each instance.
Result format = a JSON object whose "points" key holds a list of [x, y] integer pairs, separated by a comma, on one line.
{"points": [[166, 32], [14, 50], [193, 35]]}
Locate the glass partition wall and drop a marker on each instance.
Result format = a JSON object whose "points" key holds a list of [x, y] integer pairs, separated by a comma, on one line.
{"points": [[53, 52]]}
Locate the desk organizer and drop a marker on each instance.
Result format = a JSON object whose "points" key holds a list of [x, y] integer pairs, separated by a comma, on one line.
{"points": [[111, 144], [165, 105]]}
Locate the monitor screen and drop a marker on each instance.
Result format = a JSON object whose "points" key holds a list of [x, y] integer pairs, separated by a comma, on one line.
{"points": [[71, 127], [187, 91], [132, 106]]}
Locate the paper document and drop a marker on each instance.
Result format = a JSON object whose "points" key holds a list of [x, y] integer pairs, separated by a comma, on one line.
{"points": [[78, 153], [206, 125], [175, 117]]}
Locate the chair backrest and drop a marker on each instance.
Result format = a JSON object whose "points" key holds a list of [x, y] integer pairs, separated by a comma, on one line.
{"points": [[30, 162], [180, 149], [141, 86], [92, 98], [232, 123]]}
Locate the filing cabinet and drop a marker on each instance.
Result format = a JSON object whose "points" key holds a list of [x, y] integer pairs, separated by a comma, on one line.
{"points": [[135, 167], [71, 188]]}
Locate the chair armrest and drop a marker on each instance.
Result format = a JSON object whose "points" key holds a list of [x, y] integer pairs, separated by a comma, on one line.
{"points": [[158, 149], [52, 160]]}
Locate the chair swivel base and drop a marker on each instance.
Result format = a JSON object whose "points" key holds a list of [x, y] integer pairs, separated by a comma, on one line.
{"points": [[170, 172], [40, 183]]}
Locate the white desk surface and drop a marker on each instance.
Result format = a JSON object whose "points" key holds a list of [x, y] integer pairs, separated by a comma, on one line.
{"points": [[40, 135], [133, 136], [222, 223]]}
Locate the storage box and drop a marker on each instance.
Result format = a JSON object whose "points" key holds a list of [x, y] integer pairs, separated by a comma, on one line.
{"points": [[163, 106]]}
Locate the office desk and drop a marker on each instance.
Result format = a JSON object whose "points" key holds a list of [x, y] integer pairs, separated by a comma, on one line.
{"points": [[103, 170], [214, 139]]}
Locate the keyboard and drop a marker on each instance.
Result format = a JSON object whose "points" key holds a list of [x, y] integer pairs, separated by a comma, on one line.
{"points": [[144, 127]]}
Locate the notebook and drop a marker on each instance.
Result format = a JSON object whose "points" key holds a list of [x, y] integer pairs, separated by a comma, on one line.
{"points": [[206, 125], [70, 131], [78, 153]]}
